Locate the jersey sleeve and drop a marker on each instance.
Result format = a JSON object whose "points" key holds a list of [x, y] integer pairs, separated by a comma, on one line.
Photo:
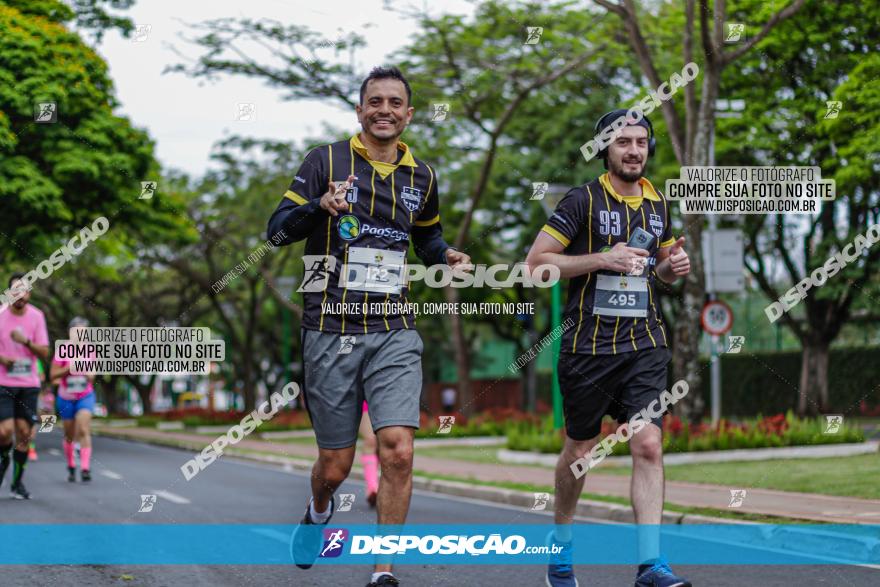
{"points": [[430, 213], [667, 240], [568, 218], [427, 232], [299, 212], [41, 333], [310, 182]]}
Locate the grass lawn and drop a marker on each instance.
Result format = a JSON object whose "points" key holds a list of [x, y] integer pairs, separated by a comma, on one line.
{"points": [[476, 454], [854, 476]]}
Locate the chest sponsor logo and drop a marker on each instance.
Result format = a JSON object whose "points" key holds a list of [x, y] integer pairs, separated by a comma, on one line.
{"points": [[411, 198], [349, 227], [385, 231], [656, 224]]}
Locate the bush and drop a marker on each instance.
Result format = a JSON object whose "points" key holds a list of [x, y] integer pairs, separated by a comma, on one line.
{"points": [[775, 431], [492, 422], [192, 417], [767, 382]]}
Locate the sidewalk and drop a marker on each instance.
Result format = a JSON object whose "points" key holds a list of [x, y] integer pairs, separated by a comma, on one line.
{"points": [[806, 506]]}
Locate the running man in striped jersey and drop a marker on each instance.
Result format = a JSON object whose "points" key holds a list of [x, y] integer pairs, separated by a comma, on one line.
{"points": [[612, 238], [359, 203]]}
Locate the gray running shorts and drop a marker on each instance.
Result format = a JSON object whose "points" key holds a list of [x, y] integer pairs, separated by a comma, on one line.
{"points": [[342, 370]]}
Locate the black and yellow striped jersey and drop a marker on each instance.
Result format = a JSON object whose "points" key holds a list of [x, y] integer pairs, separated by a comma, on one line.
{"points": [[388, 205], [593, 218]]}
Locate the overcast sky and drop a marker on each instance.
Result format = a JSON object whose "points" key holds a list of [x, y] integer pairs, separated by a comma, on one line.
{"points": [[186, 116]]}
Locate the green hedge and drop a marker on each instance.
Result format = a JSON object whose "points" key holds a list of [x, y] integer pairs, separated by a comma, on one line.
{"points": [[767, 382], [769, 433]]}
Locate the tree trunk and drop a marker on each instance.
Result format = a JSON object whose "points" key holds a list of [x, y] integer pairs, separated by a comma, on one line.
{"points": [[143, 392], [247, 377], [109, 389], [462, 356], [686, 358], [813, 397]]}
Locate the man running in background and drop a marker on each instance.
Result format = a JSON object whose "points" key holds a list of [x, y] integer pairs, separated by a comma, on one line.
{"points": [[24, 340], [358, 203], [76, 402], [612, 237]]}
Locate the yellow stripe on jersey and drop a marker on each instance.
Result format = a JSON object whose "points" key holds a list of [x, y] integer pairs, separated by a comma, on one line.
{"points": [[329, 218], [430, 181], [344, 291], [292, 195], [555, 234], [412, 184], [584, 288], [373, 190], [433, 220], [668, 243], [393, 198], [595, 333], [614, 337], [366, 299], [436, 219], [350, 156]]}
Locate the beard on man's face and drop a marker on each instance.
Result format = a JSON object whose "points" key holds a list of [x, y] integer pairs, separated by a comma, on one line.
{"points": [[623, 169]]}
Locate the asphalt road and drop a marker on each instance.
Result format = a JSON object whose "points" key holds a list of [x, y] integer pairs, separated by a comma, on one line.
{"points": [[238, 492]]}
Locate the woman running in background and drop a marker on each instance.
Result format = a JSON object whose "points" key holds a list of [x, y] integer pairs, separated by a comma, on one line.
{"points": [[76, 401], [369, 460]]}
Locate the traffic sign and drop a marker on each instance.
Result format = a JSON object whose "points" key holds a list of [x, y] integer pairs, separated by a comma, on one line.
{"points": [[723, 258], [716, 318]]}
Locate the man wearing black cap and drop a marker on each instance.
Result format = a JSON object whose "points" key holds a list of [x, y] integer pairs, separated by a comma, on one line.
{"points": [[612, 237]]}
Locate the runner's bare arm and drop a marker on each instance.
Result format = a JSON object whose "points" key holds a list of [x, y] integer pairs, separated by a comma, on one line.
{"points": [[56, 372], [546, 250], [40, 350]]}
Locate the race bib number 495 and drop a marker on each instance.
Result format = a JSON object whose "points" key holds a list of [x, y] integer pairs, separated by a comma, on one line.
{"points": [[621, 295]]}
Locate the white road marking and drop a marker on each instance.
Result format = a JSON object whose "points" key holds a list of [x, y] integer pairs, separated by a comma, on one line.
{"points": [[54, 452], [111, 474], [172, 497]]}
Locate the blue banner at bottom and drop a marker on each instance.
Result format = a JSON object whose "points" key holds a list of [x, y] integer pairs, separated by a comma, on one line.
{"points": [[471, 544]]}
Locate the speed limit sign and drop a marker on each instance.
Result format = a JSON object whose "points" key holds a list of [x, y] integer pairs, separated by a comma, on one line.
{"points": [[716, 318]]}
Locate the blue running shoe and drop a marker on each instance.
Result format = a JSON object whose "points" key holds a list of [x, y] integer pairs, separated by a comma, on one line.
{"points": [[559, 571], [660, 575], [308, 538]]}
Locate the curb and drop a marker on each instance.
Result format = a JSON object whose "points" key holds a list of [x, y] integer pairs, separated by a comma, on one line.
{"points": [[521, 457]]}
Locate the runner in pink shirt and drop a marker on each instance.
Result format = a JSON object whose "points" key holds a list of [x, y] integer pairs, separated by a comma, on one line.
{"points": [[76, 402], [24, 340]]}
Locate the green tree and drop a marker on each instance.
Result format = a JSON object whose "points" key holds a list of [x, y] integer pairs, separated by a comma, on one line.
{"points": [[57, 177], [832, 55]]}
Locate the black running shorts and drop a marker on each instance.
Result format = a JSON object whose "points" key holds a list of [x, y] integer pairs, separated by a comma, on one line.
{"points": [[19, 403], [618, 385]]}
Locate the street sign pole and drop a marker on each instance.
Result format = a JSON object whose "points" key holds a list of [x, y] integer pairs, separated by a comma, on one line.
{"points": [[715, 364], [555, 313], [553, 194]]}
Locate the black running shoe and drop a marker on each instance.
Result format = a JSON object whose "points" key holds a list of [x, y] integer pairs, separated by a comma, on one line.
{"points": [[308, 539], [384, 581], [71, 474], [86, 475], [19, 492]]}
